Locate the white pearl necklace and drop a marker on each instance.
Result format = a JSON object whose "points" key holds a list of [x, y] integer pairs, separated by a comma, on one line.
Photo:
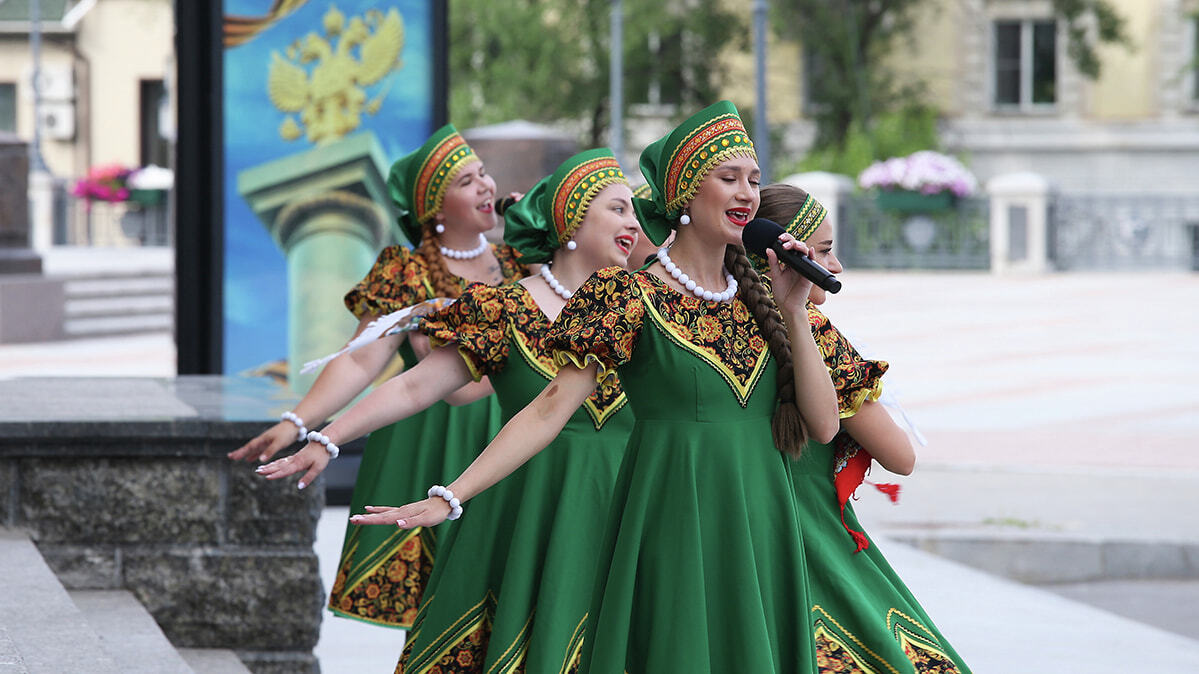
{"points": [[466, 254], [553, 283], [695, 289]]}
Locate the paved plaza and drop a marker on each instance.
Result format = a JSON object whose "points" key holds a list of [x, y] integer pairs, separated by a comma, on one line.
{"points": [[1061, 413]]}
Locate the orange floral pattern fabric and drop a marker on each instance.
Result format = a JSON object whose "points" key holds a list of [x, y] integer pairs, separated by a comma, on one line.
{"points": [[603, 320], [488, 322], [391, 593], [856, 379], [400, 279]]}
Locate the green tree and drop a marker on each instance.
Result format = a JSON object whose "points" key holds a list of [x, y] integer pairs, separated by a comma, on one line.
{"points": [[547, 60]]}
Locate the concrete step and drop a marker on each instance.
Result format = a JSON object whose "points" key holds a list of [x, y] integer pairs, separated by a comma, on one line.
{"points": [[41, 630], [105, 286], [102, 301], [120, 305], [113, 325], [213, 661], [129, 633]]}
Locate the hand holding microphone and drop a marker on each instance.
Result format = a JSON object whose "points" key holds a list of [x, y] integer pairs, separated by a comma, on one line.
{"points": [[504, 203], [762, 234]]}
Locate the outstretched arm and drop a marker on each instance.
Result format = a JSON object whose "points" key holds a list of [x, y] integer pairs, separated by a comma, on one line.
{"points": [[466, 395], [519, 440], [402, 396], [338, 383], [874, 429]]}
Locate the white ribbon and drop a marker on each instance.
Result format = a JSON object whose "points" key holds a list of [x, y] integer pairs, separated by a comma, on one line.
{"points": [[394, 323]]}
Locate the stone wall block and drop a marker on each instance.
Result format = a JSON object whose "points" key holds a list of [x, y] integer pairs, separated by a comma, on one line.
{"points": [[121, 500], [261, 510], [84, 567], [242, 601]]}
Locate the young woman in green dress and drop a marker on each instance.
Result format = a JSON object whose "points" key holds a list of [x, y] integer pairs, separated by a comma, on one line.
{"points": [[512, 584], [864, 618], [446, 202], [702, 564]]}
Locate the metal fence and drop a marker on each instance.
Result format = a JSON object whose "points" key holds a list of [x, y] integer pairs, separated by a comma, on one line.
{"points": [[1130, 231], [872, 237], [130, 223]]}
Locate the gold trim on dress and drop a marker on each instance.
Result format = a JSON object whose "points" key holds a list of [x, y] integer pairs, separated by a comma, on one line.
{"points": [[741, 390]]}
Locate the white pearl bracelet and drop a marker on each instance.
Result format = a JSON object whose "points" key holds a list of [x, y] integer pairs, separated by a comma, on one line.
{"points": [[333, 449], [455, 505], [295, 419]]}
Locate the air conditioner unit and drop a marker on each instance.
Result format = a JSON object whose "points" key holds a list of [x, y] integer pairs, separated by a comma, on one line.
{"points": [[56, 120], [57, 82]]}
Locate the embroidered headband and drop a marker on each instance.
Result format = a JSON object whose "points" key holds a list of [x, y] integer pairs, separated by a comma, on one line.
{"points": [[417, 181], [676, 165], [550, 213], [802, 226], [807, 219]]}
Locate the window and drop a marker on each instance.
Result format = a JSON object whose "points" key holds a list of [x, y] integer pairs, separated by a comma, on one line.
{"points": [[8, 107], [1025, 63], [154, 147], [663, 81], [816, 72]]}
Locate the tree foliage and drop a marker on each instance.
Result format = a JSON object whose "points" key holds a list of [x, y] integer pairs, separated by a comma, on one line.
{"points": [[547, 60]]}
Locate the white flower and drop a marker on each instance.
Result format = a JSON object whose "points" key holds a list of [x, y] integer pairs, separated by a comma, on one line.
{"points": [[925, 171]]}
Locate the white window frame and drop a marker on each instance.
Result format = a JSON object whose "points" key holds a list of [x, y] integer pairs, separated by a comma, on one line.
{"points": [[1026, 104]]}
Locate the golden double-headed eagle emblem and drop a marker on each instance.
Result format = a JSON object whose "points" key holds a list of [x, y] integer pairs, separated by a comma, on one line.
{"points": [[331, 97]]}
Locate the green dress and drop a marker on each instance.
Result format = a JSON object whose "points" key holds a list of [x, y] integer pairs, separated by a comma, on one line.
{"points": [[382, 571], [703, 551], [863, 617], [513, 578]]}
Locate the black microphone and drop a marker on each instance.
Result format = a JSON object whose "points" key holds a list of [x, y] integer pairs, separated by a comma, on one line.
{"points": [[761, 234], [502, 204]]}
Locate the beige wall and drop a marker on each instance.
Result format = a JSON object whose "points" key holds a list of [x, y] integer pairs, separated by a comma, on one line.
{"points": [[934, 57], [783, 78], [119, 43], [1127, 87], [16, 67], [126, 41]]}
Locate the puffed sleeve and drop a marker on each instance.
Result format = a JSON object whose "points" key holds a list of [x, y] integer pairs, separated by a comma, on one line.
{"points": [[600, 324], [398, 279], [856, 379], [476, 323]]}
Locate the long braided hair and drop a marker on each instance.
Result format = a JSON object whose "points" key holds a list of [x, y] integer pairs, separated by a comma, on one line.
{"points": [[786, 426], [444, 283]]}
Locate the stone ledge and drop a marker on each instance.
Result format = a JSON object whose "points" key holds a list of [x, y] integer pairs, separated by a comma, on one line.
{"points": [[124, 485]]}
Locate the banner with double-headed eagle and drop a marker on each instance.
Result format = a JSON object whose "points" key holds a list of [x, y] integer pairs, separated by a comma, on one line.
{"points": [[320, 96]]}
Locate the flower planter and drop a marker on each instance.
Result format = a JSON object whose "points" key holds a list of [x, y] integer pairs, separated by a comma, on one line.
{"points": [[905, 201]]}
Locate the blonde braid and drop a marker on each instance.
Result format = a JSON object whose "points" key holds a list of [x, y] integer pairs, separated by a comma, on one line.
{"points": [[444, 283], [786, 426]]}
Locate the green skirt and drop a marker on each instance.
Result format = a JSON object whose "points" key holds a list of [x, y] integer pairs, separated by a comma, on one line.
{"points": [[383, 570], [704, 556], [864, 618]]}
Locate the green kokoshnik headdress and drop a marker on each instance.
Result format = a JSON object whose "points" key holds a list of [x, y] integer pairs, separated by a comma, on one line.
{"points": [[676, 165], [417, 182], [805, 223], [550, 213]]}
